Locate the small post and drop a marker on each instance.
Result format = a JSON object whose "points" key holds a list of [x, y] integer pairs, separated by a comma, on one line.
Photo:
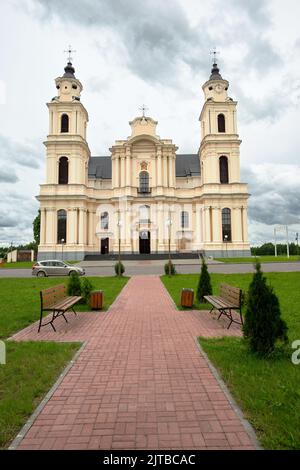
{"points": [[287, 241], [275, 241], [62, 248], [169, 223], [119, 247]]}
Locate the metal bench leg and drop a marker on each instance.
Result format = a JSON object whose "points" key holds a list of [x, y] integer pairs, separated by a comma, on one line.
{"points": [[231, 320], [40, 323], [74, 311], [64, 317]]}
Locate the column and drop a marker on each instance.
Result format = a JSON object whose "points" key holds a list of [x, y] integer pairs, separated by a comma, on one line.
{"points": [[217, 226], [165, 171], [207, 228], [153, 172], [159, 167], [43, 226], [50, 235], [122, 171], [80, 227], [161, 221], [128, 227], [117, 172], [171, 170], [94, 224], [245, 224], [236, 223], [128, 169], [197, 229]]}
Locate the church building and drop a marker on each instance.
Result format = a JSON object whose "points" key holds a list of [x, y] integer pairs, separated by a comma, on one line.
{"points": [[143, 197]]}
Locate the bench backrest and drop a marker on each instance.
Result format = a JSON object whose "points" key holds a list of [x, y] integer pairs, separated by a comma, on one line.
{"points": [[231, 294], [52, 294]]}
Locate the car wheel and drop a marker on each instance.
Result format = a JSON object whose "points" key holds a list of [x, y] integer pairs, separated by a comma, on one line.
{"points": [[71, 273], [41, 274]]}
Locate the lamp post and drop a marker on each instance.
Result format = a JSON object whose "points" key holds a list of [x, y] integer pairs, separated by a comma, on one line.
{"points": [[169, 224], [226, 240], [62, 248], [119, 223]]}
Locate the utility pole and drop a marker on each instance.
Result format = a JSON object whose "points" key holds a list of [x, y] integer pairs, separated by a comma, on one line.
{"points": [[275, 241]]}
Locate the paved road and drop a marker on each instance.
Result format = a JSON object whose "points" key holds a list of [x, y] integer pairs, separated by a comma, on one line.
{"points": [[150, 267]]}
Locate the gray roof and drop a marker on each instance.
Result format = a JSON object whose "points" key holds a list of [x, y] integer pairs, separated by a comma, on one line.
{"points": [[186, 165], [100, 167]]}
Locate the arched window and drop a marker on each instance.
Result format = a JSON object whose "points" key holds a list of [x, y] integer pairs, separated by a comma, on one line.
{"points": [[226, 225], [223, 165], [221, 123], [144, 215], [104, 220], [61, 226], [184, 219], [64, 124], [63, 171], [144, 182]]}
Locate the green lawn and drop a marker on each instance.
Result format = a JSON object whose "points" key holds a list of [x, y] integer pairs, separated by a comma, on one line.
{"points": [[268, 391], [29, 373], [20, 299], [262, 259]]}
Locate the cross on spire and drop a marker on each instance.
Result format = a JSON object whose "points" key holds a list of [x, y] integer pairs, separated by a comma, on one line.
{"points": [[143, 108], [69, 51], [214, 53]]}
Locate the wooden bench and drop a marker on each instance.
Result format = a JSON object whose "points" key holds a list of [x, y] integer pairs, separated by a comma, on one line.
{"points": [[229, 301], [55, 300]]}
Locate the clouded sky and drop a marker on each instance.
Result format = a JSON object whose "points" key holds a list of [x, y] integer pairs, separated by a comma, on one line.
{"points": [[154, 52]]}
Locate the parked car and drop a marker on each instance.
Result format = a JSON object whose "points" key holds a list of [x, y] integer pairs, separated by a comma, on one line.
{"points": [[55, 268]]}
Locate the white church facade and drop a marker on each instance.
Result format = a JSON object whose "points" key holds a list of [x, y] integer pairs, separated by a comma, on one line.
{"points": [[143, 197]]}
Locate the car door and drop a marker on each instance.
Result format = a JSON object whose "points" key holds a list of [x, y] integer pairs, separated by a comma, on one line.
{"points": [[60, 268]]}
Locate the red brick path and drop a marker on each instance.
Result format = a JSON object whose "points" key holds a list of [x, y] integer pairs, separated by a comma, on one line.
{"points": [[140, 382]]}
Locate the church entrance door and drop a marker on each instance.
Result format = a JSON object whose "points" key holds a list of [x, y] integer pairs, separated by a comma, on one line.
{"points": [[144, 243], [104, 246]]}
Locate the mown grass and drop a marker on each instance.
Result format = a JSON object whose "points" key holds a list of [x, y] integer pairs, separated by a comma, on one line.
{"points": [[20, 299], [30, 371], [262, 259], [268, 390]]}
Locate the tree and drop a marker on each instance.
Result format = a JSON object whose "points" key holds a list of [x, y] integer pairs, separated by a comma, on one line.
{"points": [[263, 323], [204, 284], [74, 285], [36, 228]]}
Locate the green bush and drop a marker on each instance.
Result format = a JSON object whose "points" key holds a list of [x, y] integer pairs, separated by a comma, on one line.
{"points": [[74, 285], [204, 284], [86, 289], [263, 323], [170, 269], [119, 268]]}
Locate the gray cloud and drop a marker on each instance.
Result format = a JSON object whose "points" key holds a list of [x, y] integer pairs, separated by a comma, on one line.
{"points": [[8, 176], [158, 37], [275, 196], [16, 216], [21, 153]]}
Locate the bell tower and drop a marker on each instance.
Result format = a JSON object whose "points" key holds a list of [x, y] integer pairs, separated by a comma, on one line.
{"points": [[220, 141], [67, 149]]}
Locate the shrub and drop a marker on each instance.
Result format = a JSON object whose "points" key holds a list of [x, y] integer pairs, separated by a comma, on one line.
{"points": [[86, 290], [204, 284], [74, 285], [170, 269], [119, 268], [263, 323]]}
